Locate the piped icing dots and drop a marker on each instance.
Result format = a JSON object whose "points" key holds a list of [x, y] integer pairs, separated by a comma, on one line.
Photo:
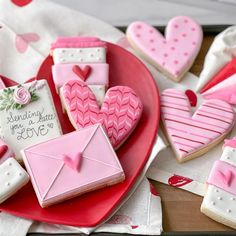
{"points": [[183, 38]]}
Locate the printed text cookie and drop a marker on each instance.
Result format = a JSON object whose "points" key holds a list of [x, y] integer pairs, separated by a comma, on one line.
{"points": [[27, 115]]}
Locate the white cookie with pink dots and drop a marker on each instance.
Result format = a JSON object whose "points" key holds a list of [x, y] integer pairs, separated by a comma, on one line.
{"points": [[173, 54]]}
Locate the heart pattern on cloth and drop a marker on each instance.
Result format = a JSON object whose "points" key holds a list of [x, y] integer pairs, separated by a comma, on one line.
{"points": [[82, 73], [23, 40], [75, 162], [189, 133], [173, 54], [21, 3], [226, 177], [119, 113], [3, 150]]}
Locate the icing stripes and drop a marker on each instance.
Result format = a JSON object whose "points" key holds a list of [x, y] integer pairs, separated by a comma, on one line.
{"points": [[188, 133]]}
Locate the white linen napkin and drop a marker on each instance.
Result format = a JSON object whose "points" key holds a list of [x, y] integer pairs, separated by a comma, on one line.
{"points": [[24, 42]]}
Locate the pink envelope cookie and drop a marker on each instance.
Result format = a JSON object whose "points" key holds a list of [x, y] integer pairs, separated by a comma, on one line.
{"points": [[91, 74], [192, 135], [5, 151], [119, 114], [219, 202], [79, 162], [173, 54]]}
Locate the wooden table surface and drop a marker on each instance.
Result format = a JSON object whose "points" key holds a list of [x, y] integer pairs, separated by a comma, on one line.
{"points": [[181, 209]]}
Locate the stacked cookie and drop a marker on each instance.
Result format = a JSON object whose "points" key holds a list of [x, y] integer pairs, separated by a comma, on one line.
{"points": [[81, 58]]}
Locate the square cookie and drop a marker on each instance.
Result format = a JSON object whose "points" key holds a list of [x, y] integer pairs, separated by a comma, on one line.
{"points": [[12, 178], [27, 115], [73, 164]]}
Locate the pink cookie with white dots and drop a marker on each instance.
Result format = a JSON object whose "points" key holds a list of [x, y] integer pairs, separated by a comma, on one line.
{"points": [[173, 54]]}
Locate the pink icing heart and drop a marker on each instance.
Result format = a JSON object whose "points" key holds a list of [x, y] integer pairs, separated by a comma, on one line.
{"points": [[119, 114], [23, 40], [190, 133], [172, 54], [225, 177], [73, 162]]}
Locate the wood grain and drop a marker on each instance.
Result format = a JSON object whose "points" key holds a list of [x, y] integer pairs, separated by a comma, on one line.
{"points": [[181, 209]]}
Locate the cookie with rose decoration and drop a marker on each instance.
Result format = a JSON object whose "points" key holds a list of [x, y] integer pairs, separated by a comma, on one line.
{"points": [[27, 115]]}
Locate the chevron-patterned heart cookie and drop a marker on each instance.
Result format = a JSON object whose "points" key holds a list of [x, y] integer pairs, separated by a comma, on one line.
{"points": [[119, 113], [173, 54], [192, 135]]}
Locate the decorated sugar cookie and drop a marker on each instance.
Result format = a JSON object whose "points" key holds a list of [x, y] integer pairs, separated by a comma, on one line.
{"points": [[81, 161], [27, 115], [119, 113], [81, 58], [219, 202], [225, 90], [173, 54], [78, 49], [12, 178], [191, 135]]}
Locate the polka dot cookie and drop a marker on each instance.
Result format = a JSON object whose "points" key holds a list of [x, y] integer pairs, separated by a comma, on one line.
{"points": [[12, 178], [173, 54], [219, 202]]}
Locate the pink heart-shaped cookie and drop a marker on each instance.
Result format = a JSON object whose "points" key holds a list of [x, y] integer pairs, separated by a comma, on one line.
{"points": [[190, 134], [173, 54], [119, 114], [23, 40]]}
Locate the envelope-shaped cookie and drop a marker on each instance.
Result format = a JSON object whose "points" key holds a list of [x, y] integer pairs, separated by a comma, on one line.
{"points": [[72, 164]]}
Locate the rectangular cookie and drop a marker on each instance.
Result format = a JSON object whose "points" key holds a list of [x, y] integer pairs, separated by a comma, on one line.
{"points": [[79, 162], [27, 115], [219, 202], [12, 178]]}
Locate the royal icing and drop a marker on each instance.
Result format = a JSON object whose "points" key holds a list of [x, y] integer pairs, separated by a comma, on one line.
{"points": [[172, 54], [91, 74], [230, 143], [225, 90], [189, 133], [77, 42], [27, 115], [119, 113], [79, 55], [227, 71], [12, 178], [219, 201], [80, 161], [5, 151]]}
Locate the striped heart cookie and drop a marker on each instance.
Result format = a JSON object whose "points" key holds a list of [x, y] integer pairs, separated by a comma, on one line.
{"points": [[191, 135], [119, 113]]}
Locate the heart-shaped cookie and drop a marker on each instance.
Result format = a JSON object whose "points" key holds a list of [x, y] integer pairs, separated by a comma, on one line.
{"points": [[191, 135], [119, 114], [173, 54]]}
